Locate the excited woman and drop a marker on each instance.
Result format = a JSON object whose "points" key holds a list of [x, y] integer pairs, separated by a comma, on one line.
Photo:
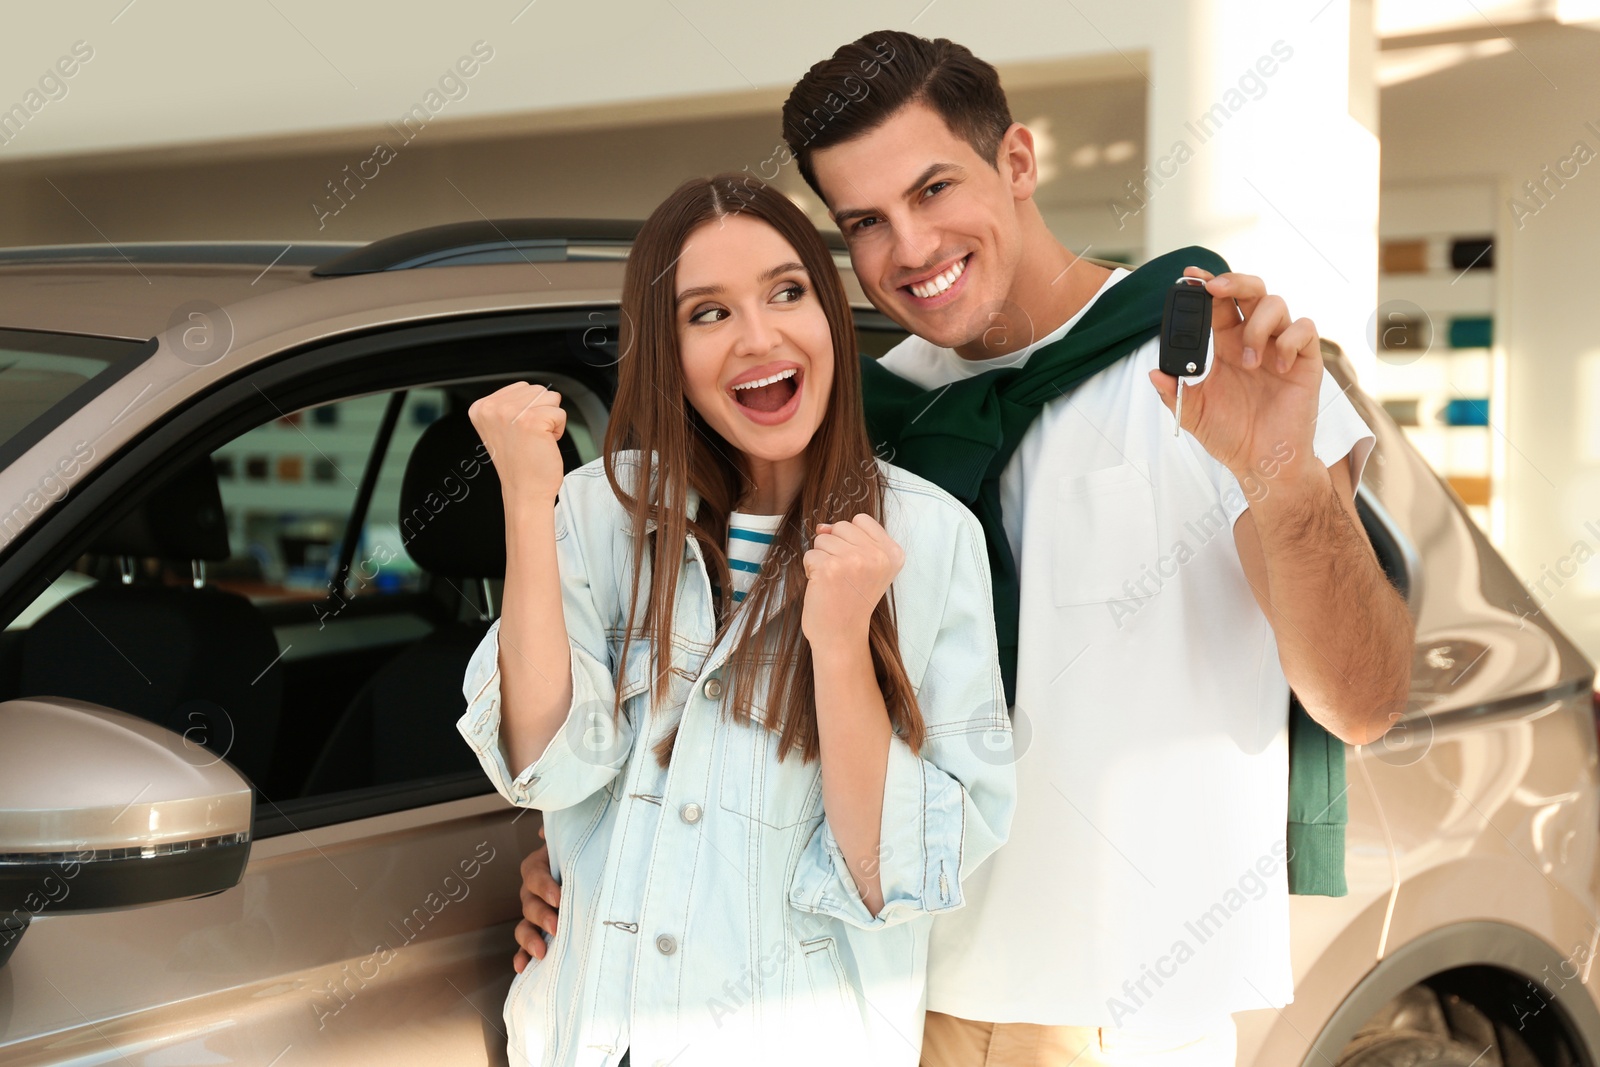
{"points": [[747, 668]]}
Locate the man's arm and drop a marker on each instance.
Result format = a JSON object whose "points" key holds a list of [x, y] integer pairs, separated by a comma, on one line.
{"points": [[1344, 634]]}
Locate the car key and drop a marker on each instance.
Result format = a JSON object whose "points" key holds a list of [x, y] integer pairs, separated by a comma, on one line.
{"points": [[1185, 336]]}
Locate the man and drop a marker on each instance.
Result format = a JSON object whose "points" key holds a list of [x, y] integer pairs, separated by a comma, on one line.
{"points": [[1169, 589]]}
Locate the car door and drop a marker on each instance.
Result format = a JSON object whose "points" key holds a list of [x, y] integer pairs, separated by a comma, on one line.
{"points": [[373, 921]]}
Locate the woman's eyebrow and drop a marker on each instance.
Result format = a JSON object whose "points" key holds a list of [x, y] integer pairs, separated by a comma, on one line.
{"points": [[781, 268], [699, 290], [766, 276]]}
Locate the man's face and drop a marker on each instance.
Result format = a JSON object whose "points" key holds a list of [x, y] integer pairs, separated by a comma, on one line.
{"points": [[931, 225]]}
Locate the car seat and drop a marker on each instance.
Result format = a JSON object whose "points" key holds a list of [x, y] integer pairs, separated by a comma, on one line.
{"points": [[453, 525], [196, 659]]}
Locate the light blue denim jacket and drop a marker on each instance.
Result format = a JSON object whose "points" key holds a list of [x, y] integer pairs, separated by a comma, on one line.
{"points": [[707, 913]]}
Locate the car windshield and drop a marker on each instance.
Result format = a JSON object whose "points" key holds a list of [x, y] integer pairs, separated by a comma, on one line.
{"points": [[38, 371]]}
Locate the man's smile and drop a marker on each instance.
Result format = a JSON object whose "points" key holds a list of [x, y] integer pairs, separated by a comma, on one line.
{"points": [[938, 287]]}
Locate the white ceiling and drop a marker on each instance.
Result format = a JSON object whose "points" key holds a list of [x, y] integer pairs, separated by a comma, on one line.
{"points": [[185, 72]]}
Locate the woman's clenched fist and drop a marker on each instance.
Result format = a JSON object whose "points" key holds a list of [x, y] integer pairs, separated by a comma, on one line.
{"points": [[519, 425], [848, 569]]}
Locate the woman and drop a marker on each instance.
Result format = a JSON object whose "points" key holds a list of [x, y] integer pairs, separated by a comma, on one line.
{"points": [[749, 674]]}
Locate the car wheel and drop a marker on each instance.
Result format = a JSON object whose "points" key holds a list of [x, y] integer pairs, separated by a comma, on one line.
{"points": [[1412, 1050]]}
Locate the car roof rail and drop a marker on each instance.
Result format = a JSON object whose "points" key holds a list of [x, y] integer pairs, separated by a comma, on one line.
{"points": [[483, 241], [239, 253], [502, 241]]}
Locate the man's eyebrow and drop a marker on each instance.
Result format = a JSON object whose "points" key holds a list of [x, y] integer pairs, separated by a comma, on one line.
{"points": [[927, 176], [922, 179], [766, 276]]}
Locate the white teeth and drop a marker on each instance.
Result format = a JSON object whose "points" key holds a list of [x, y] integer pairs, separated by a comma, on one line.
{"points": [[938, 284], [759, 382]]}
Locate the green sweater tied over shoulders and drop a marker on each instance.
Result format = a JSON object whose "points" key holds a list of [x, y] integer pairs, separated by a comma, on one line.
{"points": [[961, 436]]}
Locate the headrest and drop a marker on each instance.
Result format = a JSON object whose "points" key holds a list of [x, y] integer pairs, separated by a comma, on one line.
{"points": [[452, 515], [181, 520]]}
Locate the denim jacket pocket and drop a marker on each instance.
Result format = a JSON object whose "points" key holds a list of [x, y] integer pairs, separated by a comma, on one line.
{"points": [[755, 785], [638, 672], [834, 1010]]}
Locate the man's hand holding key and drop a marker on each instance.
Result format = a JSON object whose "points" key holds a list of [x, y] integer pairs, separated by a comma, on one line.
{"points": [[1261, 392]]}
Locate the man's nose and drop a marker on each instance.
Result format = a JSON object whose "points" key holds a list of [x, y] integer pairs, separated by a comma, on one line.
{"points": [[914, 245]]}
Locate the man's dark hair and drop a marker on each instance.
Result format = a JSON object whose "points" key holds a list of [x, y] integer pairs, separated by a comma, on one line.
{"points": [[855, 90]]}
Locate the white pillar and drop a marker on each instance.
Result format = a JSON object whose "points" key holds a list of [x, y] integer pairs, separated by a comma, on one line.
{"points": [[1262, 146]]}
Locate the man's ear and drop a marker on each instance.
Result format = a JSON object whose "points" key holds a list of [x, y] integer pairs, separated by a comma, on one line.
{"points": [[1018, 162]]}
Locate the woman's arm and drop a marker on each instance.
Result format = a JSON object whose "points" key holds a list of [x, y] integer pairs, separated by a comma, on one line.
{"points": [[848, 570], [943, 810], [589, 744], [535, 665], [520, 425], [853, 728]]}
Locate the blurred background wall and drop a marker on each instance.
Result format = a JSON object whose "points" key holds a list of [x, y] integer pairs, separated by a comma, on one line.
{"points": [[1416, 175]]}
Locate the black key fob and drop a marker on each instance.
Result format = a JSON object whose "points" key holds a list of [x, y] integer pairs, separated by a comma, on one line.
{"points": [[1186, 329]]}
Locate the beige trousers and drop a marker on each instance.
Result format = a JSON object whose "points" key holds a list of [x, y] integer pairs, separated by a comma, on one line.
{"points": [[951, 1042]]}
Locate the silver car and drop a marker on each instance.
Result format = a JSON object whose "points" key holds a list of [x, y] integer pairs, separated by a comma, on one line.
{"points": [[248, 540]]}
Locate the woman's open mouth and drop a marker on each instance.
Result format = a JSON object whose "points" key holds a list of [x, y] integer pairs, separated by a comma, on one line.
{"points": [[772, 399]]}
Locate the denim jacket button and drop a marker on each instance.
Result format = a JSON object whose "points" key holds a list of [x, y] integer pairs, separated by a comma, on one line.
{"points": [[666, 944], [713, 688], [690, 812]]}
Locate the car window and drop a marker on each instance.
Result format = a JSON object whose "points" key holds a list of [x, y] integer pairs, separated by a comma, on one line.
{"points": [[39, 371], [260, 657], [289, 488]]}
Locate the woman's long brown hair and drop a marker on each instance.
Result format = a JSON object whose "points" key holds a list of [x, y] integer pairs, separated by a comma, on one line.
{"points": [[652, 413]]}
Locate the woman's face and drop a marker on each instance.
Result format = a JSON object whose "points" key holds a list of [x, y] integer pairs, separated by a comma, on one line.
{"points": [[746, 315]]}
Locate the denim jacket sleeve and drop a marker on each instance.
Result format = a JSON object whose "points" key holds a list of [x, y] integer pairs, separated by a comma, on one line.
{"points": [[948, 808], [591, 745]]}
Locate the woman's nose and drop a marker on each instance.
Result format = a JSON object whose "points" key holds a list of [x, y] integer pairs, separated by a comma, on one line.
{"points": [[757, 336]]}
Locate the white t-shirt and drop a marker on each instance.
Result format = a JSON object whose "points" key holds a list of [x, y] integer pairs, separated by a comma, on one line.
{"points": [[1143, 885], [749, 538]]}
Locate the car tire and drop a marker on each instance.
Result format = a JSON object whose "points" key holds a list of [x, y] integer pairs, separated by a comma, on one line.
{"points": [[1412, 1050]]}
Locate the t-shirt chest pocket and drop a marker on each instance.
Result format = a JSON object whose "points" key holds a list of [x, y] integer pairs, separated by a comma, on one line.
{"points": [[1104, 534]]}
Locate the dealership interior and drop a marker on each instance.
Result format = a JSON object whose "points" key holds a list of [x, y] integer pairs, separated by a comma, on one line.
{"points": [[1417, 176]]}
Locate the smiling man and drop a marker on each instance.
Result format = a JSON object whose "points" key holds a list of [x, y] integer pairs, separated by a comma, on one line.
{"points": [[1157, 593], [1143, 896]]}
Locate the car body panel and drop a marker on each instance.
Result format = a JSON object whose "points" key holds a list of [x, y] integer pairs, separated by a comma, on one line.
{"points": [[295, 951], [1448, 799], [1497, 850], [123, 300]]}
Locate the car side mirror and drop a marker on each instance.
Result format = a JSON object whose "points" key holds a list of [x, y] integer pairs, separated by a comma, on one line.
{"points": [[100, 809]]}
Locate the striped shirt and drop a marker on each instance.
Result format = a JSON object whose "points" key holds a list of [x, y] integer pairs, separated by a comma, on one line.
{"points": [[749, 537]]}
